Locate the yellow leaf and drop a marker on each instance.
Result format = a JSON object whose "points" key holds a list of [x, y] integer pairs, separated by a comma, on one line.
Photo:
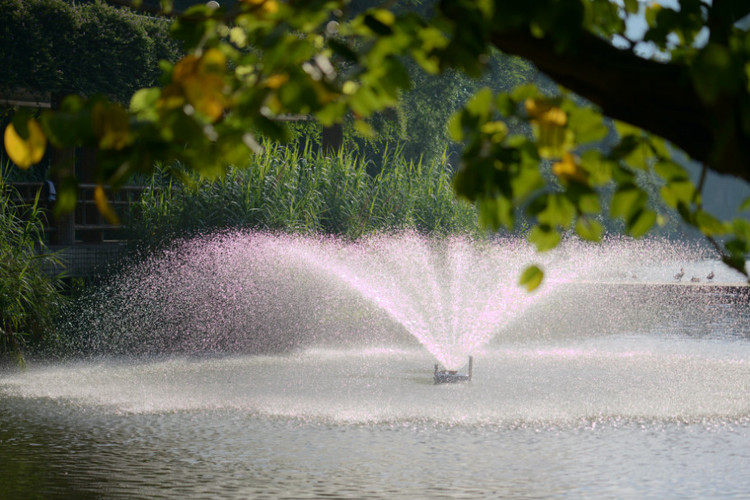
{"points": [[111, 124], [103, 205], [544, 113], [276, 81], [264, 6], [568, 169], [204, 92], [201, 82], [185, 68], [549, 125], [270, 7], [25, 152]]}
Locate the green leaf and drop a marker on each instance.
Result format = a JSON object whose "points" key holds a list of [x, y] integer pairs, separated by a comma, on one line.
{"points": [[544, 237], [709, 225], [640, 156], [531, 278], [505, 104], [342, 50], [669, 170], [455, 126], [627, 199], [559, 211], [588, 202], [741, 228], [67, 196], [525, 91], [631, 6], [587, 125], [364, 128], [481, 104], [625, 129], [20, 123], [677, 192], [589, 229], [738, 246], [598, 167], [377, 26], [641, 222], [496, 212], [735, 262], [659, 146], [143, 103], [525, 182]]}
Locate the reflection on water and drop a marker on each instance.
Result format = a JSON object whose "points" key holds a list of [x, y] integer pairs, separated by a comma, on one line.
{"points": [[633, 416]]}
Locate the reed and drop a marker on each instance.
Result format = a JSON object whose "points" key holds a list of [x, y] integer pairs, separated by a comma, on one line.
{"points": [[30, 298], [297, 190]]}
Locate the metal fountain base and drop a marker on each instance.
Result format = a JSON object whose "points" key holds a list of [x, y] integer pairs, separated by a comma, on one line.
{"points": [[452, 376]]}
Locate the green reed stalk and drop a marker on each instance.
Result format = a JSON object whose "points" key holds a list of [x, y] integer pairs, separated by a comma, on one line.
{"points": [[294, 189], [29, 297]]}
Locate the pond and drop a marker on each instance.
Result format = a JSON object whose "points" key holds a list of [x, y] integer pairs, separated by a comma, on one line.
{"points": [[628, 416]]}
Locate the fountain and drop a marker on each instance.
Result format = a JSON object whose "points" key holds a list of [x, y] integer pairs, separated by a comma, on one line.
{"points": [[250, 292], [252, 365]]}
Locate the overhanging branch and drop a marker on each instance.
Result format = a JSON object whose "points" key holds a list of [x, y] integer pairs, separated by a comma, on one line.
{"points": [[658, 97]]}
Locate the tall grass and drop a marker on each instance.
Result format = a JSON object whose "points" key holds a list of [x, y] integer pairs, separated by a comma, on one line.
{"points": [[296, 190], [29, 297]]}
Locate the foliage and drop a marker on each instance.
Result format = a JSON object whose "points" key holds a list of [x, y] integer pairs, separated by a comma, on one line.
{"points": [[432, 99], [285, 189], [59, 47], [29, 297], [252, 64]]}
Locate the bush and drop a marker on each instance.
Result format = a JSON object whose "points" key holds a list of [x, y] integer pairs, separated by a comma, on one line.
{"points": [[59, 47]]}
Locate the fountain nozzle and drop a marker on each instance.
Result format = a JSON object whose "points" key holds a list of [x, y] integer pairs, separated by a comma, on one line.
{"points": [[452, 376]]}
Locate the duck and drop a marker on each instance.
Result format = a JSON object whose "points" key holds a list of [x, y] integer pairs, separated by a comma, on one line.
{"points": [[679, 275], [694, 279], [710, 276]]}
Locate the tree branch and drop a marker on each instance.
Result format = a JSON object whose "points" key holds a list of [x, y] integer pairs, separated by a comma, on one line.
{"points": [[658, 97]]}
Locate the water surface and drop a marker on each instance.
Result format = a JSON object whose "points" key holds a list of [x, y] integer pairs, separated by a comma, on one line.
{"points": [[628, 416]]}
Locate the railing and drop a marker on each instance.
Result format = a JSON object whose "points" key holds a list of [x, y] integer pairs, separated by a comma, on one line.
{"points": [[84, 241], [85, 224]]}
